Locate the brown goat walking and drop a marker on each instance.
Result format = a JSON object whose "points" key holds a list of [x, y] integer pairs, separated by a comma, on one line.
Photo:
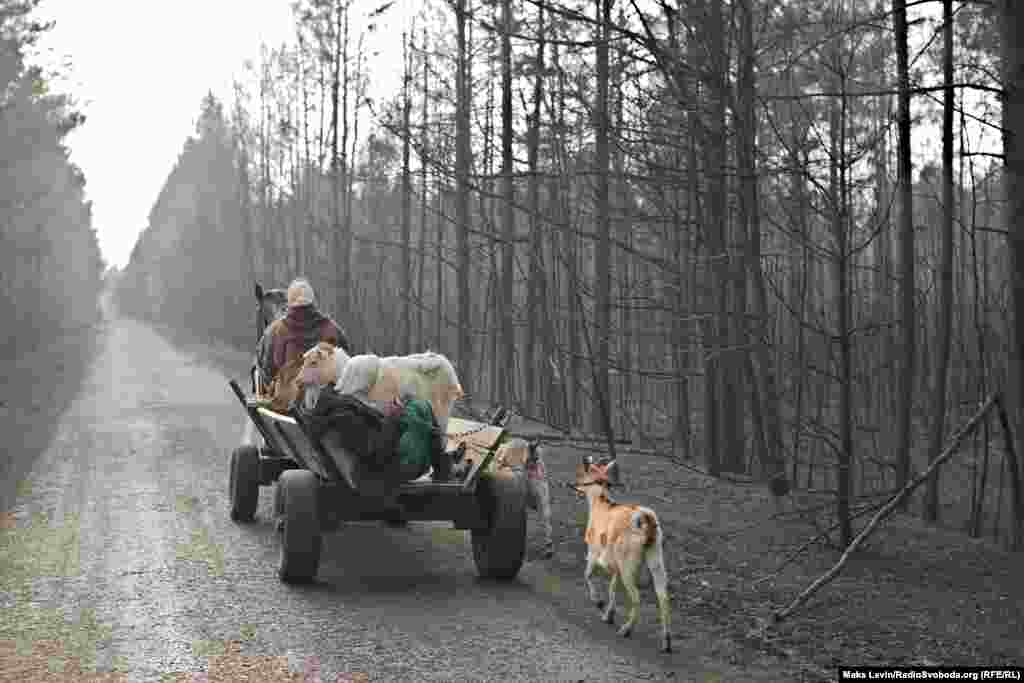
{"points": [[620, 538]]}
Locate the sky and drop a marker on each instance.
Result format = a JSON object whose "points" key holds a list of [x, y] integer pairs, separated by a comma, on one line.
{"points": [[139, 69]]}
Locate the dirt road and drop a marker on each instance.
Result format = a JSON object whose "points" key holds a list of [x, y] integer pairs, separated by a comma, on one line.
{"points": [[117, 555]]}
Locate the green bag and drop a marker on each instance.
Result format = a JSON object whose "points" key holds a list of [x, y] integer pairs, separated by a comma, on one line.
{"points": [[417, 428]]}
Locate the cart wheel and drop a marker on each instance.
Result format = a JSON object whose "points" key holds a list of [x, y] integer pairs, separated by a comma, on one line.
{"points": [[300, 537], [244, 483], [499, 550]]}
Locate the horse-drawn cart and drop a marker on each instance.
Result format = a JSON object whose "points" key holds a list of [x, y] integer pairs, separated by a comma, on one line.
{"points": [[321, 484]]}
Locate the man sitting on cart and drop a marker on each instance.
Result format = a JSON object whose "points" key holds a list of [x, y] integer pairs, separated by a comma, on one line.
{"points": [[286, 339]]}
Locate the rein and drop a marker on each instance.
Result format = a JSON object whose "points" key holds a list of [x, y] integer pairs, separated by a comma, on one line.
{"points": [[604, 465], [578, 487]]}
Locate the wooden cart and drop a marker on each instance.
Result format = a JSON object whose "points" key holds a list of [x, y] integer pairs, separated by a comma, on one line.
{"points": [[320, 485]]}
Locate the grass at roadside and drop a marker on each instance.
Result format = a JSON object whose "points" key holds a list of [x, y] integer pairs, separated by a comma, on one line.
{"points": [[35, 389]]}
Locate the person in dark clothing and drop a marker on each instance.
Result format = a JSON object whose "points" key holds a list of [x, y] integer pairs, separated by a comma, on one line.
{"points": [[302, 327]]}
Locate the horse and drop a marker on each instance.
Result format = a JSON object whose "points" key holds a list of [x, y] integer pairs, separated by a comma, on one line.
{"points": [[272, 304]]}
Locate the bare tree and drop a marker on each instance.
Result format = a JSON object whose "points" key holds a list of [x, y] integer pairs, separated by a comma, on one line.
{"points": [[601, 418], [337, 164], [537, 321], [1013, 146], [406, 337], [506, 373], [945, 312], [766, 403], [840, 210], [424, 163], [462, 166], [904, 189]]}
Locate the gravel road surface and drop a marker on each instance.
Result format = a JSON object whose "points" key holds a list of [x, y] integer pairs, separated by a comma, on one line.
{"points": [[117, 556]]}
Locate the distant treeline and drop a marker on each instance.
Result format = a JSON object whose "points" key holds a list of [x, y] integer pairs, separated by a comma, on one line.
{"points": [[50, 264], [190, 268]]}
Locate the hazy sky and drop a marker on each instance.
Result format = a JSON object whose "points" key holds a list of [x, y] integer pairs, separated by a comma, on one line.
{"points": [[139, 69]]}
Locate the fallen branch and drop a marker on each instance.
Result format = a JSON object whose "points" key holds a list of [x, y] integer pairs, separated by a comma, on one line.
{"points": [[588, 438], [823, 535], [885, 512]]}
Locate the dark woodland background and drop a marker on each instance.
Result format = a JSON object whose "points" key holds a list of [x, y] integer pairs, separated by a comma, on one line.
{"points": [[691, 225]]}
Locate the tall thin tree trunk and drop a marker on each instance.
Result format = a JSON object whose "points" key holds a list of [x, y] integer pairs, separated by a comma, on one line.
{"points": [[506, 374], [439, 307], [733, 423], [601, 415], [535, 280], [350, 167], [687, 246], [1013, 146], [623, 230], [424, 140], [980, 287], [321, 144], [405, 340], [842, 304], [945, 313], [763, 378], [462, 166], [245, 212], [561, 336], [720, 432], [882, 309], [308, 203], [345, 261], [569, 249], [340, 273], [490, 360], [906, 231], [799, 190]]}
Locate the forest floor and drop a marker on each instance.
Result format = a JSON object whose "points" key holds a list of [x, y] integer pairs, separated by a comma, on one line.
{"points": [[912, 595]]}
